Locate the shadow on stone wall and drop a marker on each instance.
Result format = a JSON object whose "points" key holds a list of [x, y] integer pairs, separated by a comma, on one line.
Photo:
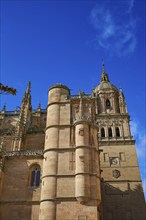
{"points": [[123, 201]]}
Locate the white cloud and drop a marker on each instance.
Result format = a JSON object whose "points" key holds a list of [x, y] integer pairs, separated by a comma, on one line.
{"points": [[134, 128], [144, 186], [130, 5], [115, 27], [139, 134]]}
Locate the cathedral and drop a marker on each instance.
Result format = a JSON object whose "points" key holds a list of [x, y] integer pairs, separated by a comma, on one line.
{"points": [[74, 160]]}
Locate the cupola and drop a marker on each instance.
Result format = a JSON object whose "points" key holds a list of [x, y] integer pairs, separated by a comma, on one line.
{"points": [[104, 82]]}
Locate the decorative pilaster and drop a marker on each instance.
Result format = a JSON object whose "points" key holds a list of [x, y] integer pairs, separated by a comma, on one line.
{"points": [[2, 155], [24, 118], [122, 103]]}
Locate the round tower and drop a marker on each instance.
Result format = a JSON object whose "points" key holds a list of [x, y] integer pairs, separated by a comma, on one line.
{"points": [[87, 173], [56, 94]]}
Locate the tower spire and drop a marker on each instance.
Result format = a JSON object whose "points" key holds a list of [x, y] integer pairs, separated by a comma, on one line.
{"points": [[104, 75], [103, 69], [28, 87], [4, 108]]}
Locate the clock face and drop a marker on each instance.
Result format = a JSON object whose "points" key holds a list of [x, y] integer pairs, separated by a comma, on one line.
{"points": [[114, 160]]}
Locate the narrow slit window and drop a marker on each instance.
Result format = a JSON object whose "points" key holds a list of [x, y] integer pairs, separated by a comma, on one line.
{"points": [[32, 178], [108, 103], [38, 178], [110, 134], [102, 132], [35, 177], [117, 132]]}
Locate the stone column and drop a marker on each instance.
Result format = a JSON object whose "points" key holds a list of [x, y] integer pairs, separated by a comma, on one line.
{"points": [[82, 178], [128, 127], [121, 130], [87, 175], [106, 131], [103, 104], [114, 130]]}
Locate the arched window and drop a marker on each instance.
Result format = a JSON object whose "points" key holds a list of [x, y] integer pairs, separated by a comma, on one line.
{"points": [[108, 103], [35, 176], [117, 132], [102, 132], [110, 132]]}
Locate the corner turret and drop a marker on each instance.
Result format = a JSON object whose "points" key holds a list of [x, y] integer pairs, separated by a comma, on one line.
{"points": [[122, 103]]}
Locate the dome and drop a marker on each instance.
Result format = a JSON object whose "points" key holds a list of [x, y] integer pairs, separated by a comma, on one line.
{"points": [[104, 82], [105, 85]]}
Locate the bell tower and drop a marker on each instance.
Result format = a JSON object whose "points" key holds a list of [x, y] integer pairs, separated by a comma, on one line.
{"points": [[121, 181]]}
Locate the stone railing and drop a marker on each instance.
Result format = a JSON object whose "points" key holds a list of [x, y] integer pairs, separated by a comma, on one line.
{"points": [[83, 96], [26, 153], [82, 118]]}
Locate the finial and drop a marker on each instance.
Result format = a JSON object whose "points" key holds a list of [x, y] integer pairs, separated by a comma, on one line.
{"points": [[27, 95], [121, 90], [104, 75], [28, 87], [39, 106], [4, 107], [103, 69]]}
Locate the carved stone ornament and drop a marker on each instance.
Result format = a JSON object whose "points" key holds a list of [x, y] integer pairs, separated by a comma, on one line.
{"points": [[28, 153], [76, 109], [114, 160], [2, 160], [81, 132], [116, 173]]}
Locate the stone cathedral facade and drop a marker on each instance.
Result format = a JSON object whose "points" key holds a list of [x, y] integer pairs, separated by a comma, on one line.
{"points": [[74, 160]]}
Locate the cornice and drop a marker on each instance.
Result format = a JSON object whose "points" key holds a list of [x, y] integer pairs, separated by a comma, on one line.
{"points": [[116, 142]]}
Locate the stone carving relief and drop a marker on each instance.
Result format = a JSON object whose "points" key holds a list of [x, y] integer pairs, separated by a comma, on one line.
{"points": [[2, 153], [114, 160], [76, 109], [116, 173], [81, 132], [83, 112]]}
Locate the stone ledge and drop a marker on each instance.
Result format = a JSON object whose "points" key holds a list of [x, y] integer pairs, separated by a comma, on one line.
{"points": [[20, 202], [24, 153]]}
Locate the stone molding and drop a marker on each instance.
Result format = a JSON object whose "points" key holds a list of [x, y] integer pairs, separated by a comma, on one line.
{"points": [[58, 103], [111, 142], [27, 153]]}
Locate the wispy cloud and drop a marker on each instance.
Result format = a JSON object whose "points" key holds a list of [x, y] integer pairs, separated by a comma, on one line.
{"points": [[139, 134], [144, 186], [115, 27], [130, 5]]}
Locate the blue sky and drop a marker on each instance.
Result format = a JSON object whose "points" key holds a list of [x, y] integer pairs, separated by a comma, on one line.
{"points": [[50, 42]]}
